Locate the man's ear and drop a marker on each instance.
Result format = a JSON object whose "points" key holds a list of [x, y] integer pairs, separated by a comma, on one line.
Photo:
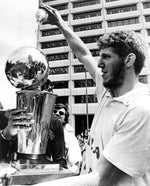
{"points": [[130, 59]]}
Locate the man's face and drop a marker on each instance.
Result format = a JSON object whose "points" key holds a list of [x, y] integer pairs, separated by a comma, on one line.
{"points": [[60, 114], [112, 68]]}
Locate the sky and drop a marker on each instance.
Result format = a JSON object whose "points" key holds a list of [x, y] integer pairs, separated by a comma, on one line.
{"points": [[18, 28]]}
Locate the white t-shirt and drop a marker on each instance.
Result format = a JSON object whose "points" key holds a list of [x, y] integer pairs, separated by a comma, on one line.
{"points": [[73, 151], [121, 132]]}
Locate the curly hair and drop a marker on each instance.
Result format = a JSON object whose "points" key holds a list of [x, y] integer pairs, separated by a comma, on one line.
{"points": [[64, 106], [124, 43]]}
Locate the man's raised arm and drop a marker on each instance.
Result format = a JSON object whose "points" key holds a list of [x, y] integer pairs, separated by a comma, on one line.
{"points": [[78, 47]]}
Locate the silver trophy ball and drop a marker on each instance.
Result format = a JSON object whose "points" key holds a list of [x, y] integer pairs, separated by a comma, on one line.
{"points": [[26, 68]]}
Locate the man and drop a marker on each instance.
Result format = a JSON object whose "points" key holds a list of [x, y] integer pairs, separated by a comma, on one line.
{"points": [[118, 149], [72, 148]]}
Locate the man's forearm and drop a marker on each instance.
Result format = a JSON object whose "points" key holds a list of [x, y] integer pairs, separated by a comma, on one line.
{"points": [[91, 179], [75, 43], [78, 48]]}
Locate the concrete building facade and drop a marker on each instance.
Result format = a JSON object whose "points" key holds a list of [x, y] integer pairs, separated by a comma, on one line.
{"points": [[89, 19]]}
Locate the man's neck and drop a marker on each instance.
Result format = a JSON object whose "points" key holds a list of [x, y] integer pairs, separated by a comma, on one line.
{"points": [[124, 88]]}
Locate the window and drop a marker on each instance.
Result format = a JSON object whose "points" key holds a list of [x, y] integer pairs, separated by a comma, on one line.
{"points": [[87, 27], [147, 18], [62, 99], [146, 5], [87, 14], [92, 39], [95, 52], [85, 3], [60, 7], [82, 99], [44, 1], [82, 83], [121, 9], [58, 70], [65, 17], [137, 31], [54, 44], [123, 22], [56, 57], [111, 0], [60, 84], [143, 79], [148, 32], [79, 69], [51, 32], [81, 124]]}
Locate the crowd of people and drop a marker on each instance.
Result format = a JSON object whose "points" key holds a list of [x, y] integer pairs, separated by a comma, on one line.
{"points": [[118, 146]]}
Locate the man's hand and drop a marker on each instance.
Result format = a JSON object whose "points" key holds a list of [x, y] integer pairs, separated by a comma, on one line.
{"points": [[17, 118], [53, 15], [6, 171]]}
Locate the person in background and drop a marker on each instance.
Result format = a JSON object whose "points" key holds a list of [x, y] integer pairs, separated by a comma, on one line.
{"points": [[118, 147], [73, 151]]}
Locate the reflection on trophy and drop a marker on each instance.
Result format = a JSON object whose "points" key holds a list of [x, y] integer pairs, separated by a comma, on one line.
{"points": [[27, 69]]}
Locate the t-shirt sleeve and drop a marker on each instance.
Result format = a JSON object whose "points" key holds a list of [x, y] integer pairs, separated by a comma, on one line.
{"points": [[129, 147]]}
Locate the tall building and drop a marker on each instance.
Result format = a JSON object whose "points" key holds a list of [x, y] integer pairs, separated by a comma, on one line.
{"points": [[89, 19]]}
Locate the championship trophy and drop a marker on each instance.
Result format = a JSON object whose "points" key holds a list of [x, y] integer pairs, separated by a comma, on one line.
{"points": [[27, 69]]}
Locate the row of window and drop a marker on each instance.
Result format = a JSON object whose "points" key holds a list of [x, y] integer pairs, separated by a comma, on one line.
{"points": [[147, 18], [92, 39], [59, 70], [56, 57], [123, 22], [121, 9], [93, 2], [87, 14], [51, 32], [96, 13], [78, 99], [54, 44], [94, 26], [82, 3], [64, 56], [64, 70], [77, 84], [62, 43], [111, 0], [146, 5], [85, 83], [94, 52], [83, 98]]}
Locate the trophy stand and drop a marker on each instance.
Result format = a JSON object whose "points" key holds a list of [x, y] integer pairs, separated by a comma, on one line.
{"points": [[27, 69]]}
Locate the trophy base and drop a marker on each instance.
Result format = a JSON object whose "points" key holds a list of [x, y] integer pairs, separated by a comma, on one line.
{"points": [[36, 175], [33, 171]]}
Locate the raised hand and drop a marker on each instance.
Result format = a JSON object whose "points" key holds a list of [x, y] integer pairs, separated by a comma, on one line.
{"points": [[53, 15]]}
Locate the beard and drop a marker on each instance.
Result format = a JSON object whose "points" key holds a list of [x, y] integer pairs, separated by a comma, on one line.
{"points": [[117, 78]]}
